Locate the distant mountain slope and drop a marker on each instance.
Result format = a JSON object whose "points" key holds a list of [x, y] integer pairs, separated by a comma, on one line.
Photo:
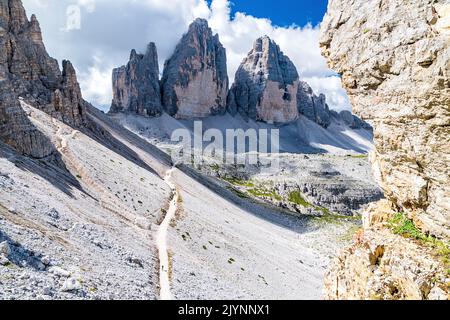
{"points": [[266, 90], [302, 136]]}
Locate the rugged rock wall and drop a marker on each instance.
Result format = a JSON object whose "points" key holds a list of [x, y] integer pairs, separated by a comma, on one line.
{"points": [[136, 86], [313, 107], [395, 63], [266, 85], [386, 265], [29, 73], [195, 80], [394, 57]]}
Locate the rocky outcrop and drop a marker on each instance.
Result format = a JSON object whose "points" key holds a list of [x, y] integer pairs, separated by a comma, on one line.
{"points": [[267, 88], [313, 107], [27, 72], [400, 79], [266, 85], [350, 120], [136, 86], [394, 60], [382, 265], [195, 80]]}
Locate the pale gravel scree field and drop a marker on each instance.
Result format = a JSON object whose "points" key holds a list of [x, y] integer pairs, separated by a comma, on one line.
{"points": [[100, 234]]}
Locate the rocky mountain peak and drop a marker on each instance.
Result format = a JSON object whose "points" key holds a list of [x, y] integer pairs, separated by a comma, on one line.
{"points": [[133, 54], [199, 24], [29, 73], [136, 86], [35, 29], [13, 17], [195, 80], [313, 107], [280, 67], [266, 85]]}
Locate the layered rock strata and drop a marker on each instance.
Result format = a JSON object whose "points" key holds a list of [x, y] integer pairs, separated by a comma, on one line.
{"points": [[394, 57], [266, 85], [399, 77], [195, 80], [136, 86], [27, 72]]}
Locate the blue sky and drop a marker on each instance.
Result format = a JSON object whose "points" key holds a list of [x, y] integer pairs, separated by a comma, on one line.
{"points": [[283, 12]]}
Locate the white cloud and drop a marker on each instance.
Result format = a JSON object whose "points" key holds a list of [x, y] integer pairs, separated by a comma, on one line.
{"points": [[110, 29], [330, 86], [96, 82]]}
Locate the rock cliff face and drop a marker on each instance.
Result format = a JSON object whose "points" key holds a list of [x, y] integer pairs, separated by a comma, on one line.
{"points": [[399, 78], [394, 60], [266, 85], [313, 107], [195, 80], [136, 86], [27, 72], [386, 265]]}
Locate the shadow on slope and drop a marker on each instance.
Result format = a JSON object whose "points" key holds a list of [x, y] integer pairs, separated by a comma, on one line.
{"points": [[300, 137], [276, 216], [97, 131], [31, 150], [20, 254]]}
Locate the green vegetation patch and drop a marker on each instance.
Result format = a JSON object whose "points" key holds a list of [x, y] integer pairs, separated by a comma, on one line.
{"points": [[400, 224], [215, 167], [297, 198], [264, 193], [239, 193], [250, 188], [239, 182], [324, 210]]}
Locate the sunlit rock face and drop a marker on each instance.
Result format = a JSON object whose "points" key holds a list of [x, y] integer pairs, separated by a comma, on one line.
{"points": [[136, 86], [29, 73], [394, 58], [195, 80], [266, 85]]}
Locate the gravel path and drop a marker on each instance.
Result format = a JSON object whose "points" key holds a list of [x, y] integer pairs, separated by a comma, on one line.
{"points": [[161, 241]]}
